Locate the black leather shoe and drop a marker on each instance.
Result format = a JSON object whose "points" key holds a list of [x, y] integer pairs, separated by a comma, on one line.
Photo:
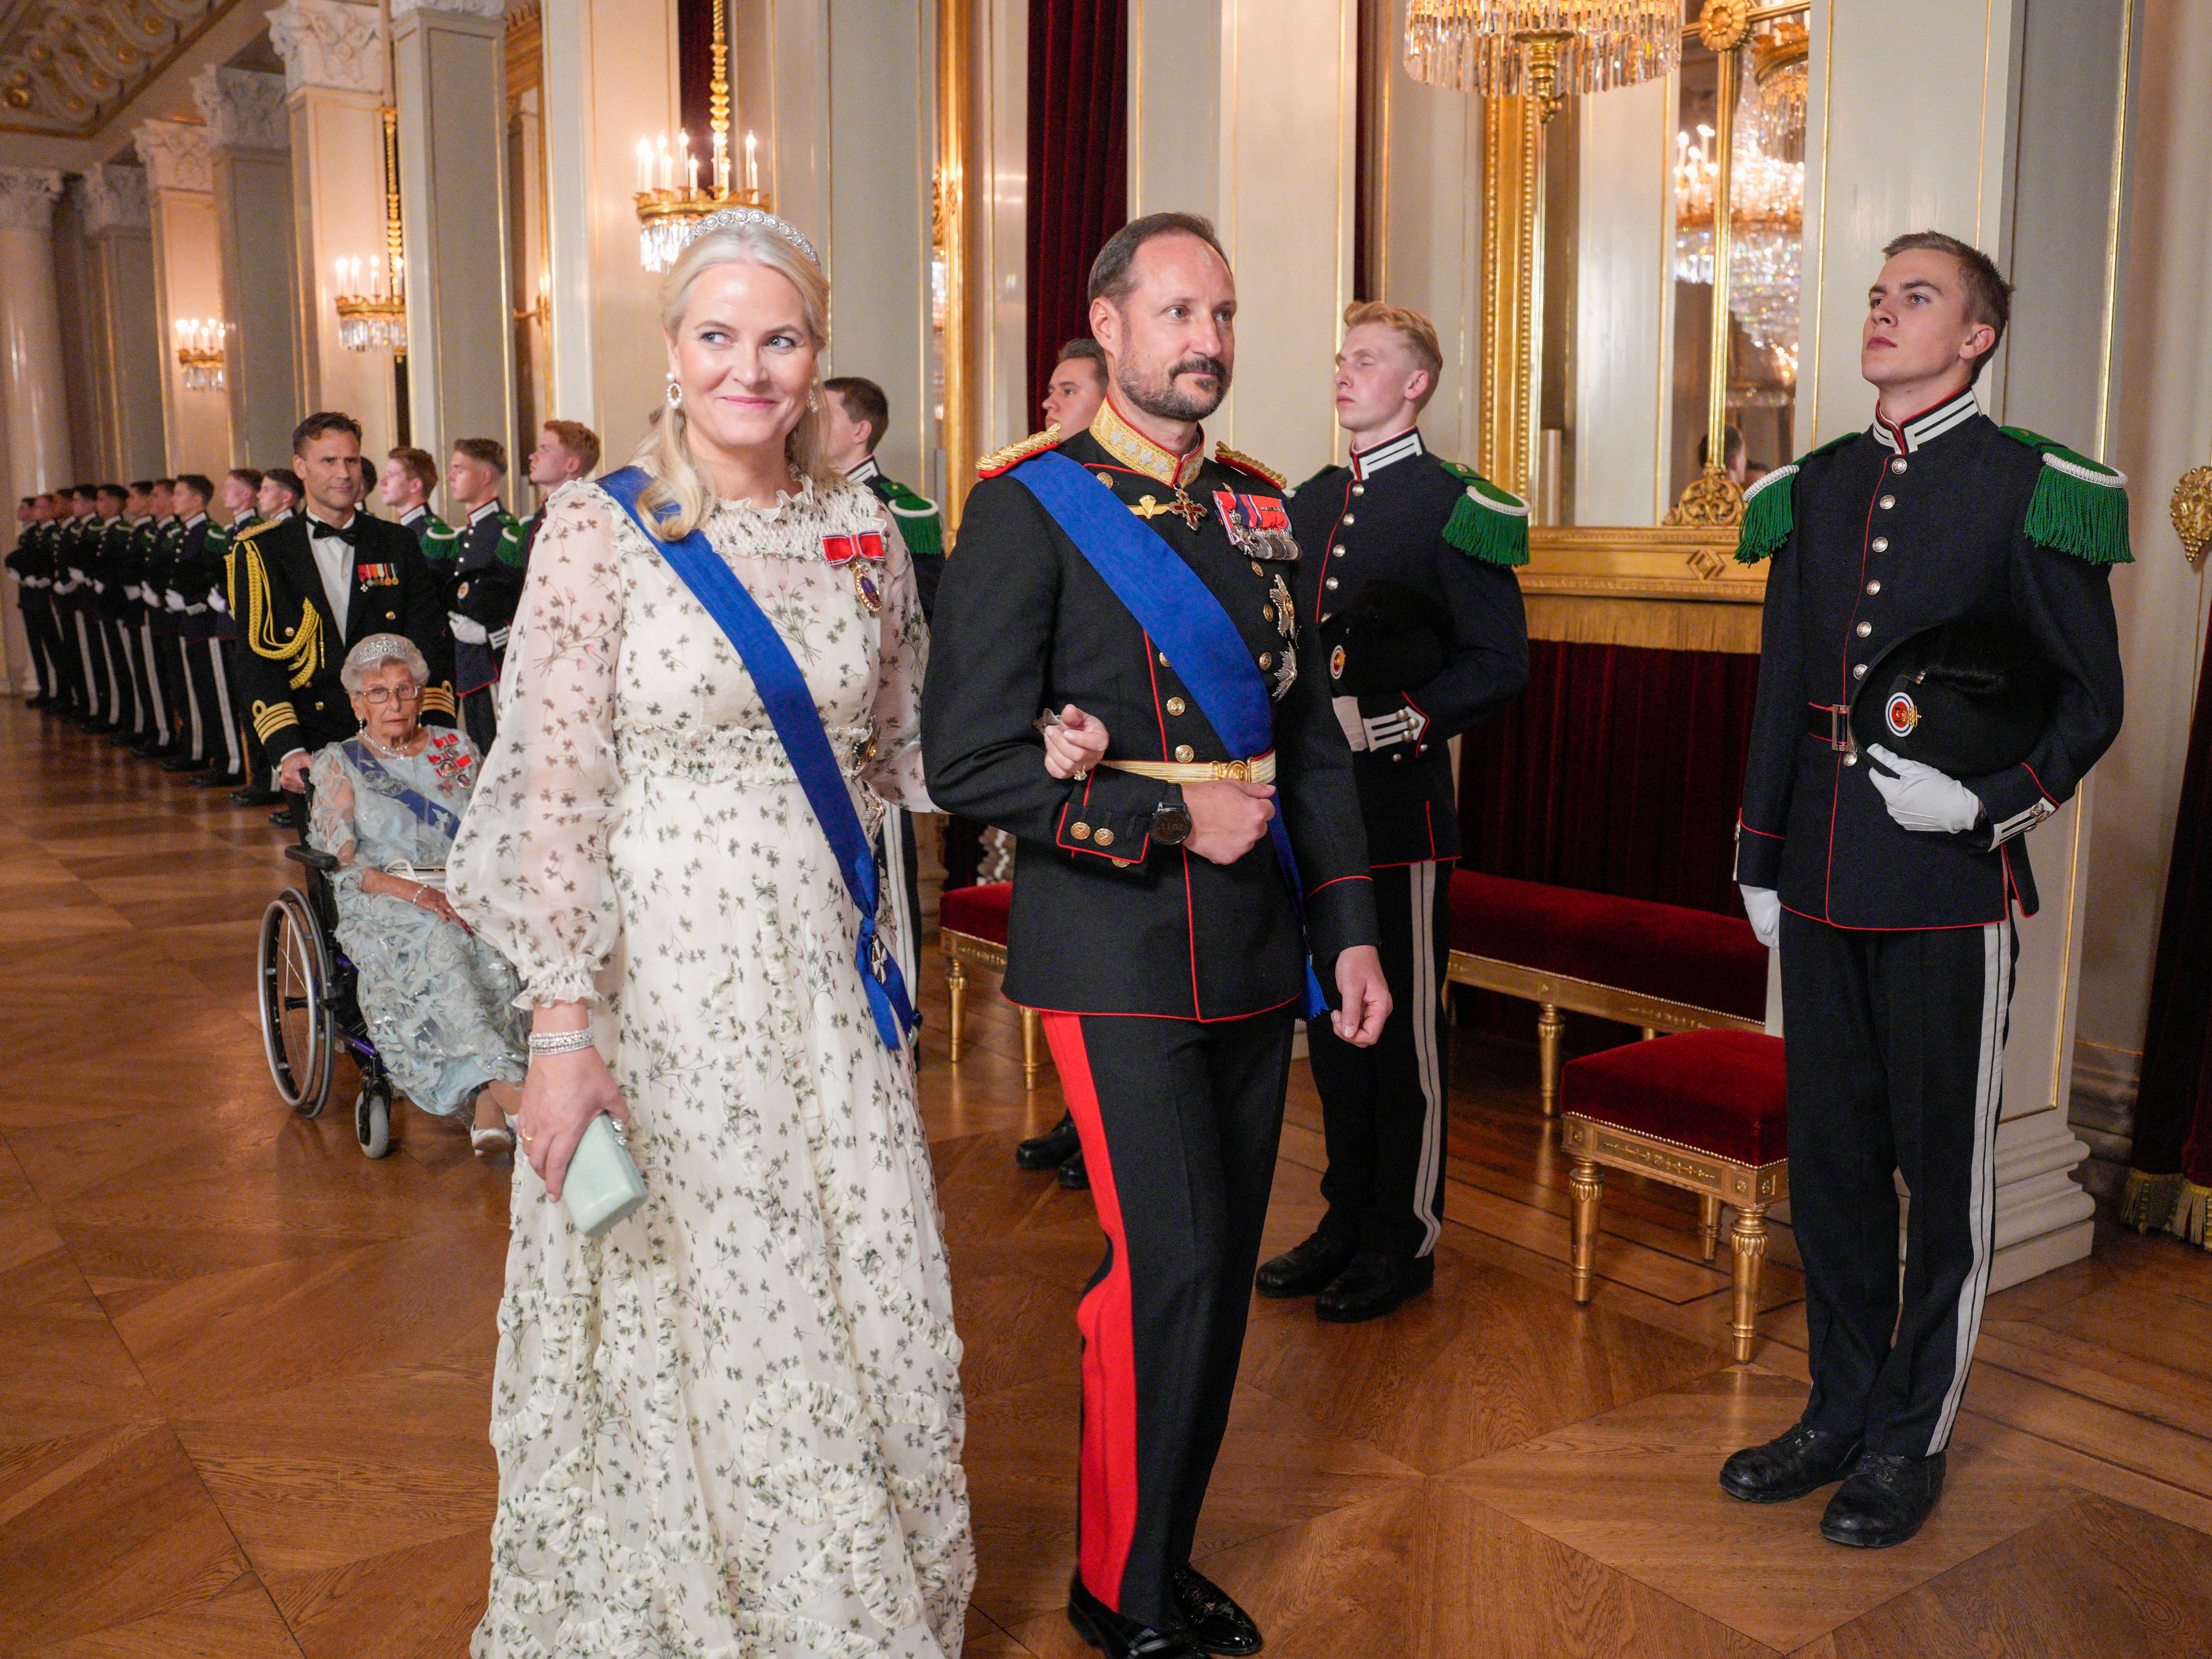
{"points": [[254, 795], [1215, 1623], [1123, 1638], [1885, 1500], [1051, 1149], [153, 751], [1372, 1286], [1310, 1267], [185, 763], [1074, 1176], [1791, 1465], [217, 780], [291, 818]]}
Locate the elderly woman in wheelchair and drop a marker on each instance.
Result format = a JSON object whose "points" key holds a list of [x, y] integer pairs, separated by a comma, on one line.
{"points": [[436, 1001]]}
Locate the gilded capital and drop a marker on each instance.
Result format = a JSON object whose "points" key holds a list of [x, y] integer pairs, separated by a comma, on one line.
{"points": [[330, 44]]}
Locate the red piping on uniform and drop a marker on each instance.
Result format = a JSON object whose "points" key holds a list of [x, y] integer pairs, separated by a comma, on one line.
{"points": [[1425, 722], [1332, 880], [1159, 714], [1429, 814], [2039, 789], [1862, 927], [1768, 834], [1321, 586], [1107, 1483], [1835, 801]]}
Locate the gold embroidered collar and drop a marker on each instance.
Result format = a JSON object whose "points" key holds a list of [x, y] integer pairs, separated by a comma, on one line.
{"points": [[1135, 451]]}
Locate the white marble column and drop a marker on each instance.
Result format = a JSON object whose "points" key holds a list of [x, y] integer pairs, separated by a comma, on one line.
{"points": [[187, 285], [249, 145], [32, 403], [124, 314], [452, 166], [334, 94]]}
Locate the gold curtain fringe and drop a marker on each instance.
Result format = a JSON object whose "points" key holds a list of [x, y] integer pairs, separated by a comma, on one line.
{"points": [[2169, 1203]]}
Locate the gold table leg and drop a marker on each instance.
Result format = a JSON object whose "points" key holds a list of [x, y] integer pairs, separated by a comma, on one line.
{"points": [[1708, 1222], [1748, 1235], [956, 993], [1551, 1031], [1586, 1182]]}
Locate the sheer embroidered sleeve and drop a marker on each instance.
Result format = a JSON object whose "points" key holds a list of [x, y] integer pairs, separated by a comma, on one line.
{"points": [[330, 818], [530, 866]]}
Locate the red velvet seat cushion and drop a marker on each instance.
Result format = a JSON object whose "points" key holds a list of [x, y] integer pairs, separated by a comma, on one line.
{"points": [[1721, 1092], [979, 912], [1659, 950]]}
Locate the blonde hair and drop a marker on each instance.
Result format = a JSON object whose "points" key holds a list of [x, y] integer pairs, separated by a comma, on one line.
{"points": [[1419, 333], [664, 456]]}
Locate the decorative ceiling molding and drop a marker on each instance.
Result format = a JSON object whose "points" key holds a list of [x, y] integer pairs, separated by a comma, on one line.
{"points": [[176, 155], [330, 44], [244, 108], [115, 199], [27, 197], [67, 65], [496, 11]]}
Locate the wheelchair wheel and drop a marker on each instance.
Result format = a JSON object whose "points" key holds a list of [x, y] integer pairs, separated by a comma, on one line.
{"points": [[372, 1120], [296, 1030]]}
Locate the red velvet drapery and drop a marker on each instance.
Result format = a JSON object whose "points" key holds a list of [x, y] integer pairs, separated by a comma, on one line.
{"points": [[1078, 183]]}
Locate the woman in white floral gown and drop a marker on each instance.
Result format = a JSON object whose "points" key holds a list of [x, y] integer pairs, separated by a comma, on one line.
{"points": [[732, 1425]]}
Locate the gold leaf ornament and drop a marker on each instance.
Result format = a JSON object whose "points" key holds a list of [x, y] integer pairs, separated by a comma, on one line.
{"points": [[2191, 511]]}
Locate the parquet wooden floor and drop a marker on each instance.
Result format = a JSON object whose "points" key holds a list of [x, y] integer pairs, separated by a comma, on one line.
{"points": [[244, 1373]]}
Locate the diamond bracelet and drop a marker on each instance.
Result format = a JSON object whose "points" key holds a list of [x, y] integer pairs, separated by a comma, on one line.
{"points": [[560, 1042]]}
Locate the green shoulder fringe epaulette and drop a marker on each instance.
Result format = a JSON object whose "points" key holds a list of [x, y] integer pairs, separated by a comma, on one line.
{"points": [[509, 550], [2079, 507], [444, 537], [1488, 522], [919, 521], [1769, 510]]}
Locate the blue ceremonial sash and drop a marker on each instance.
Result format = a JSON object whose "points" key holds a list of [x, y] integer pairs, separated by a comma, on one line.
{"points": [[798, 723], [426, 811], [1173, 605]]}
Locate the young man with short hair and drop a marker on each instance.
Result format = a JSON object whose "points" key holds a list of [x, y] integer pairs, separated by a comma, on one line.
{"points": [[75, 551], [114, 582], [31, 566], [247, 780], [186, 630], [279, 495], [1888, 882], [483, 574], [1076, 387], [566, 451], [409, 475]]}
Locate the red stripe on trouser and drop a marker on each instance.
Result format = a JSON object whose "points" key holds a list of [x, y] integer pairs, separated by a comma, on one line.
{"points": [[1107, 1510]]}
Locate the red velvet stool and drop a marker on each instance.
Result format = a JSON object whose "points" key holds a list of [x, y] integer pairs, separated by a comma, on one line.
{"points": [[1706, 1110], [971, 929]]}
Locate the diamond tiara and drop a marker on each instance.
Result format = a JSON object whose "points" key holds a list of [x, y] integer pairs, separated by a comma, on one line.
{"points": [[737, 218]]}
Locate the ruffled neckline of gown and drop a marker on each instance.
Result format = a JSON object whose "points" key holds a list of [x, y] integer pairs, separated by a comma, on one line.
{"points": [[791, 528]]}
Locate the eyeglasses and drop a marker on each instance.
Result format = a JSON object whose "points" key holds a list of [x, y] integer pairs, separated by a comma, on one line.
{"points": [[377, 696]]}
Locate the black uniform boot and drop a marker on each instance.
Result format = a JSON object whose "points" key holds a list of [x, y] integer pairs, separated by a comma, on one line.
{"points": [[1885, 1500], [1123, 1638], [1305, 1268], [1051, 1149], [1792, 1464], [1215, 1622], [1073, 1174], [1374, 1285]]}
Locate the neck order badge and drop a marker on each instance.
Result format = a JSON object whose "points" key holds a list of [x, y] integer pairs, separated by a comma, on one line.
{"points": [[798, 723]]}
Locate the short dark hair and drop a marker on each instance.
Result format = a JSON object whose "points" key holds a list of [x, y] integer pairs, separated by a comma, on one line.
{"points": [[111, 493], [1989, 297], [1109, 271], [323, 421], [864, 400], [198, 483], [251, 474], [141, 486], [488, 451], [419, 464], [1732, 448], [83, 492], [577, 438], [165, 484], [285, 479], [1083, 348]]}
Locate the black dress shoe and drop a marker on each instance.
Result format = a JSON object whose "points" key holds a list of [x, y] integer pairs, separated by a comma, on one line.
{"points": [[185, 763], [254, 795], [1074, 1176], [1791, 1465], [1123, 1638], [1215, 1622], [1310, 1267], [291, 818], [1885, 1500], [217, 780], [1051, 1149], [1373, 1286]]}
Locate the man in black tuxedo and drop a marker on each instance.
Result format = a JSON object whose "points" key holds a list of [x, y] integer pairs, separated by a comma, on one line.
{"points": [[307, 589]]}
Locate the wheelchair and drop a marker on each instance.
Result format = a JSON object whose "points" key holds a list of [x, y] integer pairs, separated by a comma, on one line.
{"points": [[309, 1009]]}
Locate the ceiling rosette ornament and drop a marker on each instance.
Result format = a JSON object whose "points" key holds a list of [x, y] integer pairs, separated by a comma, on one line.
{"points": [[66, 66]]}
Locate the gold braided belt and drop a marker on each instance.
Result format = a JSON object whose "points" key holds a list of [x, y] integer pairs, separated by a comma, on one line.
{"points": [[1259, 769]]}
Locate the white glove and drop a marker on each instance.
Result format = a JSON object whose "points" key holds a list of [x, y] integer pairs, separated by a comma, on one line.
{"points": [[1763, 906], [173, 600], [1346, 710], [1403, 724], [217, 602], [467, 629], [1922, 799]]}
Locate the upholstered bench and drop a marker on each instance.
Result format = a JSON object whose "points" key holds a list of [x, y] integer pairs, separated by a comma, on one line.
{"points": [[971, 931], [1705, 1111], [1660, 967]]}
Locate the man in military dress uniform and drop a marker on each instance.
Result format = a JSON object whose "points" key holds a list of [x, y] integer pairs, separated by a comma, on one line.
{"points": [[75, 543], [32, 564], [207, 737], [306, 590], [483, 575], [566, 451], [1407, 581], [1887, 885], [153, 552], [109, 554], [409, 475], [248, 782], [1160, 939]]}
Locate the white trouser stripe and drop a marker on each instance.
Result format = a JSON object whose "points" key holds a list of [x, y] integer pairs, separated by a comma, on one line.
{"points": [[154, 686], [1422, 884], [222, 704], [1988, 1092], [91, 679], [198, 740]]}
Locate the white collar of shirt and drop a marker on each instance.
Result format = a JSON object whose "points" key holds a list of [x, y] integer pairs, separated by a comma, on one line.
{"points": [[1915, 433], [1366, 463], [863, 470], [334, 564]]}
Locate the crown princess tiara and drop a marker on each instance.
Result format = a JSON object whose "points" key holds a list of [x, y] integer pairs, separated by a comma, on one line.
{"points": [[736, 218]]}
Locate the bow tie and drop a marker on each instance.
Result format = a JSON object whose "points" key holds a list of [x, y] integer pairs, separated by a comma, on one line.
{"points": [[350, 534]]}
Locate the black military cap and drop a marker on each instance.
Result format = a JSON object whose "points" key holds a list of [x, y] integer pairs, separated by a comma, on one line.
{"points": [[1386, 640], [1968, 698]]}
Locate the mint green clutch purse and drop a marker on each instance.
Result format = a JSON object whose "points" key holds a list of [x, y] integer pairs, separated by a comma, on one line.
{"points": [[602, 1185]]}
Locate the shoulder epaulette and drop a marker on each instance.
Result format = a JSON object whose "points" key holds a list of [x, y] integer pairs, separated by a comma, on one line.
{"points": [[1003, 460], [1769, 509], [919, 521], [509, 550], [2079, 506], [1488, 521], [1237, 460]]}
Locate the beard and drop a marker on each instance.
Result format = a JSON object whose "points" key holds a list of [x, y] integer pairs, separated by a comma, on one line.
{"points": [[1158, 394]]}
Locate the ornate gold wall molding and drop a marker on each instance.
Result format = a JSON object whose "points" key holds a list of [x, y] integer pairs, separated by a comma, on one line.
{"points": [[950, 213], [1671, 589], [1512, 302]]}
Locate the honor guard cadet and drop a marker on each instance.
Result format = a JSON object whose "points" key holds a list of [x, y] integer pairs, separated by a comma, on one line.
{"points": [[306, 590], [73, 603], [31, 563], [1407, 583], [157, 644], [409, 475], [1889, 785], [1134, 597], [111, 584], [210, 738], [483, 578], [566, 451]]}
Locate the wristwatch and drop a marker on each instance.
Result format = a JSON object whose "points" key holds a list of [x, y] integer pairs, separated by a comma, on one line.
{"points": [[1170, 822]]}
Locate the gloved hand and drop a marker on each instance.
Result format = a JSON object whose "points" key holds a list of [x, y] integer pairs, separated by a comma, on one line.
{"points": [[1763, 906], [1922, 799], [467, 629], [217, 602]]}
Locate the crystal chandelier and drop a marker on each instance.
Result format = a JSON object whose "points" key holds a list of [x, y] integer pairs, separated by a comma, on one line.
{"points": [[372, 317], [671, 201], [199, 353], [1766, 224], [1547, 50], [1774, 110]]}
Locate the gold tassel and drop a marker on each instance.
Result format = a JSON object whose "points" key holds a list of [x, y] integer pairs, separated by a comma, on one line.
{"points": [[2187, 1221], [2147, 1200]]}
